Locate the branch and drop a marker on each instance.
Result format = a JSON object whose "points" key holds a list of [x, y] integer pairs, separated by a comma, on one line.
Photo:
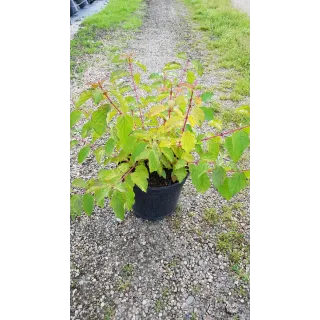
{"points": [[184, 71], [106, 95], [125, 174], [187, 114], [224, 133], [135, 90]]}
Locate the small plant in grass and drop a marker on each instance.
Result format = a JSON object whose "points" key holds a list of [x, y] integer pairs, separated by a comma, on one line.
{"points": [[141, 131]]}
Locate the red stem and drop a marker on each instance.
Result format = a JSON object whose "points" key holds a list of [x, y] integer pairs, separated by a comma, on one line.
{"points": [[187, 114], [125, 174], [135, 90], [112, 103], [106, 95], [169, 112], [184, 71], [224, 133]]}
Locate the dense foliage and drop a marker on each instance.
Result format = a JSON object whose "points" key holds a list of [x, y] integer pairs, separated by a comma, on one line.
{"points": [[150, 127]]}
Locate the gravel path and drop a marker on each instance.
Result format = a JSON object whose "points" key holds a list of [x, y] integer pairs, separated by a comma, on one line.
{"points": [[156, 270]]}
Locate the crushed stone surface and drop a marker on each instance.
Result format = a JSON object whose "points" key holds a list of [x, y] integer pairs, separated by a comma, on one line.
{"points": [[170, 269]]}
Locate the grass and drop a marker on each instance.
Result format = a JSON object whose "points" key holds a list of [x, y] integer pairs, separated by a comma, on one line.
{"points": [[127, 270], [228, 35], [162, 301], [211, 216], [117, 14], [108, 313]]}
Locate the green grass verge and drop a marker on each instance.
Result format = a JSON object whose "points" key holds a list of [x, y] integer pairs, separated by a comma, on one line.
{"points": [[228, 32], [116, 14]]}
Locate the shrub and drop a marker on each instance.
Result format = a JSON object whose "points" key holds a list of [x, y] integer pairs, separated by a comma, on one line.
{"points": [[152, 128]]}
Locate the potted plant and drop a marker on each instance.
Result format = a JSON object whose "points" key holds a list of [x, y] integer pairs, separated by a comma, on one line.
{"points": [[147, 140]]}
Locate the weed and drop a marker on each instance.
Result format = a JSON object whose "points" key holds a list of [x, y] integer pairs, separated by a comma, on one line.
{"points": [[127, 269], [196, 289], [211, 216], [191, 214], [123, 285], [193, 316], [161, 302], [108, 313], [228, 33], [237, 206], [229, 116], [118, 13]]}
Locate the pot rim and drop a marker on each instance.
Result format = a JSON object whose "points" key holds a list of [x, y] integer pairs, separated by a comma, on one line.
{"points": [[167, 187]]}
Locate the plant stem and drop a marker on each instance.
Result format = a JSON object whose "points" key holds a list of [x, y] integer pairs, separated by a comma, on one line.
{"points": [[224, 133], [125, 174], [135, 90], [169, 112], [184, 70], [187, 114], [106, 95]]}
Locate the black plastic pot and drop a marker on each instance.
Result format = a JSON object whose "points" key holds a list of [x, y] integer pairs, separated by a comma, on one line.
{"points": [[157, 203], [74, 8], [82, 3]]}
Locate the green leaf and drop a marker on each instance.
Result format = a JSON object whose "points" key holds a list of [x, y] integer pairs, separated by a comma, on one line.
{"points": [[200, 177], [155, 76], [80, 183], [216, 123], [76, 205], [140, 177], [97, 96], [99, 119], [213, 149], [237, 182], [85, 129], [128, 145], [154, 162], [118, 74], [182, 55], [198, 67], [236, 144], [73, 143], [137, 78], [180, 173], [88, 204], [99, 154], [83, 153], [191, 77], [172, 66], [206, 96], [124, 126], [100, 196], [117, 204], [220, 181], [84, 96], [188, 141], [156, 84], [208, 113], [168, 153], [247, 173], [144, 155], [75, 117], [129, 198], [180, 164], [138, 148], [109, 146], [140, 65]]}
